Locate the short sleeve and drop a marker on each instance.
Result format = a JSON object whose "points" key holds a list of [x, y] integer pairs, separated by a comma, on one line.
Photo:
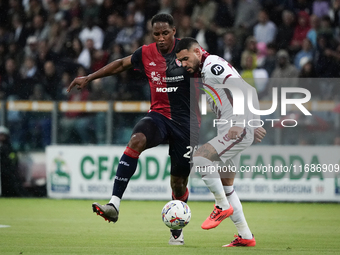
{"points": [[216, 71], [136, 59]]}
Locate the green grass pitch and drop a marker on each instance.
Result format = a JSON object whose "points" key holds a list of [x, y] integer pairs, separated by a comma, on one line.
{"points": [[46, 226]]}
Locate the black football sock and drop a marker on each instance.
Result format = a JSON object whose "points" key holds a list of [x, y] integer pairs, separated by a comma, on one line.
{"points": [[126, 168]]}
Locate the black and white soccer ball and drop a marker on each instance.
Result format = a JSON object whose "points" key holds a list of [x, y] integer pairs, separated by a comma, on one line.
{"points": [[176, 214]]}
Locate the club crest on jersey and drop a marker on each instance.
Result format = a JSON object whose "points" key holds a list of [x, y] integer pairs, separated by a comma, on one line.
{"points": [[217, 69], [156, 78], [178, 62]]}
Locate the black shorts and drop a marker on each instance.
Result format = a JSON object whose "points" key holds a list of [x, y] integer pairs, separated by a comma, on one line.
{"points": [[159, 129]]}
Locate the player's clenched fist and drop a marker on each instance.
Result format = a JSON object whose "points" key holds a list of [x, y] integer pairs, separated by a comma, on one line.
{"points": [[235, 132], [259, 134], [80, 82]]}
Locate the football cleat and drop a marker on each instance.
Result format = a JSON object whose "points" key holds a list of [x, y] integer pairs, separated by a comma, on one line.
{"points": [[216, 217], [239, 241], [176, 237], [108, 211]]}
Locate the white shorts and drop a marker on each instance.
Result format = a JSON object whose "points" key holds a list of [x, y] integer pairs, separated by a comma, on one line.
{"points": [[228, 150]]}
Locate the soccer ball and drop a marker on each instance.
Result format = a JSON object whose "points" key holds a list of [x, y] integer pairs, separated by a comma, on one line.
{"points": [[176, 214]]}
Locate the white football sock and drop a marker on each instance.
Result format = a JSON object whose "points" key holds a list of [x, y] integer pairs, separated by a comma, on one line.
{"points": [[238, 216], [115, 201], [212, 180]]}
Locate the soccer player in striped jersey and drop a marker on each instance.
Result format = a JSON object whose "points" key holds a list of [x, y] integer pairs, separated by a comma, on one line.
{"points": [[171, 116]]}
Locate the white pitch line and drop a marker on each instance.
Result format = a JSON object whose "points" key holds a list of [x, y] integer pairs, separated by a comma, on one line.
{"points": [[5, 226]]}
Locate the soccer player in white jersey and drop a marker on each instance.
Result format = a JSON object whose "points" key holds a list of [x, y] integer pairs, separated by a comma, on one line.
{"points": [[234, 136]]}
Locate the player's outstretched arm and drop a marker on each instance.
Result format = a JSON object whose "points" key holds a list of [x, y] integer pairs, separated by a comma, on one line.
{"points": [[112, 68]]}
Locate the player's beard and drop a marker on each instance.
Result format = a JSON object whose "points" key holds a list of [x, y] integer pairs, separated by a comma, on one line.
{"points": [[196, 65]]}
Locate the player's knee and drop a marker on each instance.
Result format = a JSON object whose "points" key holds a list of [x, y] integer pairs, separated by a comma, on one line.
{"points": [[137, 142], [227, 181], [201, 165]]}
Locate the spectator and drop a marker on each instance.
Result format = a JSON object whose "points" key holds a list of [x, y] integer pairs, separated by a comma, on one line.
{"points": [[275, 8], [335, 14], [206, 10], [324, 62], [144, 11], [74, 29], [181, 9], [184, 28], [15, 9], [75, 125], [30, 76], [4, 35], [225, 15], [11, 184], [39, 28], [85, 57], [307, 79], [230, 50], [315, 26], [305, 54], [321, 8], [73, 50], [284, 74], [286, 30], [129, 34], [107, 8], [302, 5], [300, 32], [45, 54], [51, 80], [115, 24], [246, 17], [31, 48], [15, 52], [270, 61], [284, 68], [116, 52], [326, 29], [54, 13], [99, 59], [250, 49], [35, 8], [205, 36], [265, 30], [19, 32], [91, 11], [65, 82], [57, 37], [261, 49], [257, 78], [76, 10], [93, 32], [10, 81], [166, 6]]}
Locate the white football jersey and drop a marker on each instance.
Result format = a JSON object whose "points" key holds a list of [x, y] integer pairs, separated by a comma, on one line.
{"points": [[225, 89]]}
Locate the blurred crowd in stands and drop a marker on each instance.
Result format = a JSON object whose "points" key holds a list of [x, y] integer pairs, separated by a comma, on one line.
{"points": [[44, 44]]}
